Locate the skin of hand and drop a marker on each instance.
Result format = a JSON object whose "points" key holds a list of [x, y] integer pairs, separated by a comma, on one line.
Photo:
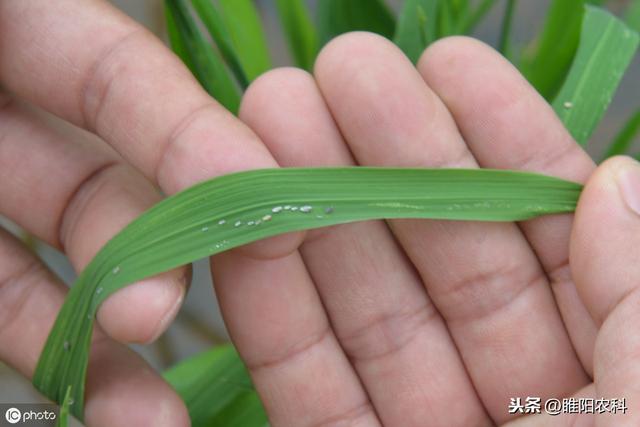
{"points": [[403, 323]]}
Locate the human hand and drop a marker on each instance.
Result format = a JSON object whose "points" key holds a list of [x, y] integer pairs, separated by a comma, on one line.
{"points": [[94, 68], [387, 347], [436, 323]]}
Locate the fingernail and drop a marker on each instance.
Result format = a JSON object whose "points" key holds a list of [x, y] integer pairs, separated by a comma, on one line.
{"points": [[168, 317], [629, 182]]}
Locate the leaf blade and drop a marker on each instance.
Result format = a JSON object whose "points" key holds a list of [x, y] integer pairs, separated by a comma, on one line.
{"points": [[416, 27], [632, 15], [606, 48], [546, 66], [247, 36], [217, 389], [219, 32], [299, 31], [206, 65], [336, 17], [217, 215]]}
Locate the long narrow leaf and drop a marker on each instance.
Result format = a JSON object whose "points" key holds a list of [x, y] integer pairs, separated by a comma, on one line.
{"points": [[445, 25], [606, 48], [63, 416], [175, 40], [205, 63], [299, 31], [416, 27], [340, 16], [217, 390], [632, 15], [248, 38], [236, 209], [547, 66], [459, 9], [467, 23], [624, 138], [219, 32], [504, 44]]}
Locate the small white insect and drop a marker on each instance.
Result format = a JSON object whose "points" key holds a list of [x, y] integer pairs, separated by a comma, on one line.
{"points": [[305, 209], [205, 228], [99, 291], [251, 223], [568, 104], [277, 209], [287, 207], [267, 218], [294, 208], [116, 270], [238, 224], [66, 345], [328, 210], [221, 222]]}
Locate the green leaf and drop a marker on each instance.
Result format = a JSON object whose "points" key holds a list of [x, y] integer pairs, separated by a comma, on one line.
{"points": [[175, 41], [63, 416], [247, 36], [459, 9], [217, 390], [624, 138], [336, 17], [606, 48], [445, 19], [504, 44], [219, 32], [205, 63], [546, 67], [240, 208], [632, 15], [416, 27], [468, 22], [299, 31]]}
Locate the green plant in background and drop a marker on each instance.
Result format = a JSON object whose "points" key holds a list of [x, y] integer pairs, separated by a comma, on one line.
{"points": [[576, 63]]}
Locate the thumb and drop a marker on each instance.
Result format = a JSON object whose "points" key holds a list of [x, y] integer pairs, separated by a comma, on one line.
{"points": [[605, 263]]}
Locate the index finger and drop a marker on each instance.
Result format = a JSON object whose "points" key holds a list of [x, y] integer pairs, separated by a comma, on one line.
{"points": [[93, 66]]}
